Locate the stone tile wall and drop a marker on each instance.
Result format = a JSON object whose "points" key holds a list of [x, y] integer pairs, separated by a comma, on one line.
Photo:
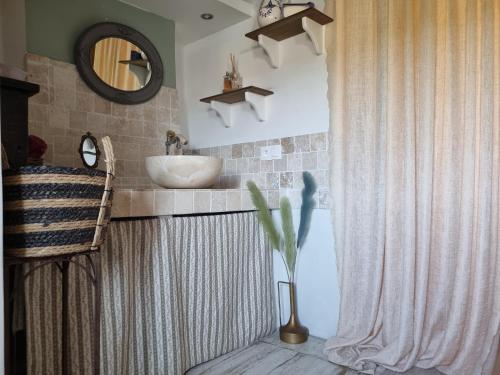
{"points": [[281, 177], [66, 108]]}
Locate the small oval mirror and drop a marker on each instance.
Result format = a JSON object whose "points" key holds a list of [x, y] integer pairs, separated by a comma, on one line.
{"points": [[89, 151], [121, 64]]}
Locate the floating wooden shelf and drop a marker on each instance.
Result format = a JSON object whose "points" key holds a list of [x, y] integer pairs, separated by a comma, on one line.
{"points": [[310, 21], [222, 103], [141, 63]]}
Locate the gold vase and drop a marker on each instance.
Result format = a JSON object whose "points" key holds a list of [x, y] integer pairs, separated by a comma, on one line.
{"points": [[293, 332]]}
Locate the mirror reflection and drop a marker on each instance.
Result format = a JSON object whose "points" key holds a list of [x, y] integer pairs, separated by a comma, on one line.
{"points": [[121, 64], [89, 152]]}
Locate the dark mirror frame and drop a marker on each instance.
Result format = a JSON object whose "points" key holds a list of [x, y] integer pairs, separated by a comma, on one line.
{"points": [[83, 58], [90, 137]]}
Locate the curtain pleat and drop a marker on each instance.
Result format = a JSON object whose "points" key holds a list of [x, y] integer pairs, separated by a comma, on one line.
{"points": [[414, 88], [177, 291]]}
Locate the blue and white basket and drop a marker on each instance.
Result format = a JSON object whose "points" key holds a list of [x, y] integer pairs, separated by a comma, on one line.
{"points": [[54, 211]]}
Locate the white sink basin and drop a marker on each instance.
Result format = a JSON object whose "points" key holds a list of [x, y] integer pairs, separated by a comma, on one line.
{"points": [[184, 171]]}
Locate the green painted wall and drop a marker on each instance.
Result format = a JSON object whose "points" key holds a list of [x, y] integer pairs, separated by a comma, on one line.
{"points": [[52, 27]]}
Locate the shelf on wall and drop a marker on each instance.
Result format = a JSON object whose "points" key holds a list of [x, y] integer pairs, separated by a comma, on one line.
{"points": [[222, 103], [310, 21], [141, 63]]}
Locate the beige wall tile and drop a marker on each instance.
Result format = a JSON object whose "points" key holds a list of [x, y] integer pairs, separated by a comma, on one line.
{"points": [[150, 113], [323, 160], [66, 107], [280, 165], [287, 145], [230, 167], [65, 98], [78, 120], [164, 202], [214, 151], [64, 145], [202, 200], [119, 110], [242, 166], [226, 152], [163, 115], [323, 199], [302, 143], [121, 203], [84, 102], [246, 201], [174, 116], [254, 165], [294, 162], [286, 180], [219, 199], [135, 112], [237, 151], [273, 198], [38, 112], [248, 150], [142, 203], [298, 180], [184, 201], [233, 200], [102, 105], [272, 180], [266, 165], [318, 142], [321, 178], [96, 122], [309, 161]]}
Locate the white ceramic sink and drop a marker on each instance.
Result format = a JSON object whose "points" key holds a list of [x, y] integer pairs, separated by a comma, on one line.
{"points": [[184, 171]]}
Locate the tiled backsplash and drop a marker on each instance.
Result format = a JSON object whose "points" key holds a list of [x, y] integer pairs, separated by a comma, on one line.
{"points": [[66, 108], [140, 203], [242, 163]]}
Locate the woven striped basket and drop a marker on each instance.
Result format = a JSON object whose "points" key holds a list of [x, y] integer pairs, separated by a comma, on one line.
{"points": [[54, 211]]}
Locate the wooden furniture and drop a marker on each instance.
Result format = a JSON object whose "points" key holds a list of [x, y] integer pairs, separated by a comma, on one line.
{"points": [[222, 103], [310, 21], [14, 96]]}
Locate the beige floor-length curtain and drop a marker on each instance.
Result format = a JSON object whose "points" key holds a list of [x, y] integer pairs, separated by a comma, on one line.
{"points": [[414, 88]]}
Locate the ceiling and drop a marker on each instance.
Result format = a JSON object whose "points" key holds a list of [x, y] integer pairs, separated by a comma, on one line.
{"points": [[186, 14]]}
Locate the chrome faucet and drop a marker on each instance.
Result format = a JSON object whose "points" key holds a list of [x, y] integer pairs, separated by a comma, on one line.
{"points": [[175, 139]]}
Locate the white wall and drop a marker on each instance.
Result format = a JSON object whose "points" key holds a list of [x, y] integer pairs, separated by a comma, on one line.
{"points": [[317, 282], [299, 105]]}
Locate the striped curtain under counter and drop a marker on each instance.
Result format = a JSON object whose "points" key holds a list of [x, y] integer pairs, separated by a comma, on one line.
{"points": [[177, 291]]}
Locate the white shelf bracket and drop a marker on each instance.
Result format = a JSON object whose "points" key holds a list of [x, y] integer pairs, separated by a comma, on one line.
{"points": [[224, 111], [316, 32], [272, 48], [258, 104]]}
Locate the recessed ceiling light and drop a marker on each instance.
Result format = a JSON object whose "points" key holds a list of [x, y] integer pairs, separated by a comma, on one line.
{"points": [[207, 16]]}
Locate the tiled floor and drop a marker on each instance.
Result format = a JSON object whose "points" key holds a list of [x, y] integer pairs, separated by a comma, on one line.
{"points": [[270, 356]]}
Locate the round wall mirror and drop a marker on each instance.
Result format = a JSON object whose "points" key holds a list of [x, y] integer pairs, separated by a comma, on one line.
{"points": [[89, 151], [119, 63]]}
